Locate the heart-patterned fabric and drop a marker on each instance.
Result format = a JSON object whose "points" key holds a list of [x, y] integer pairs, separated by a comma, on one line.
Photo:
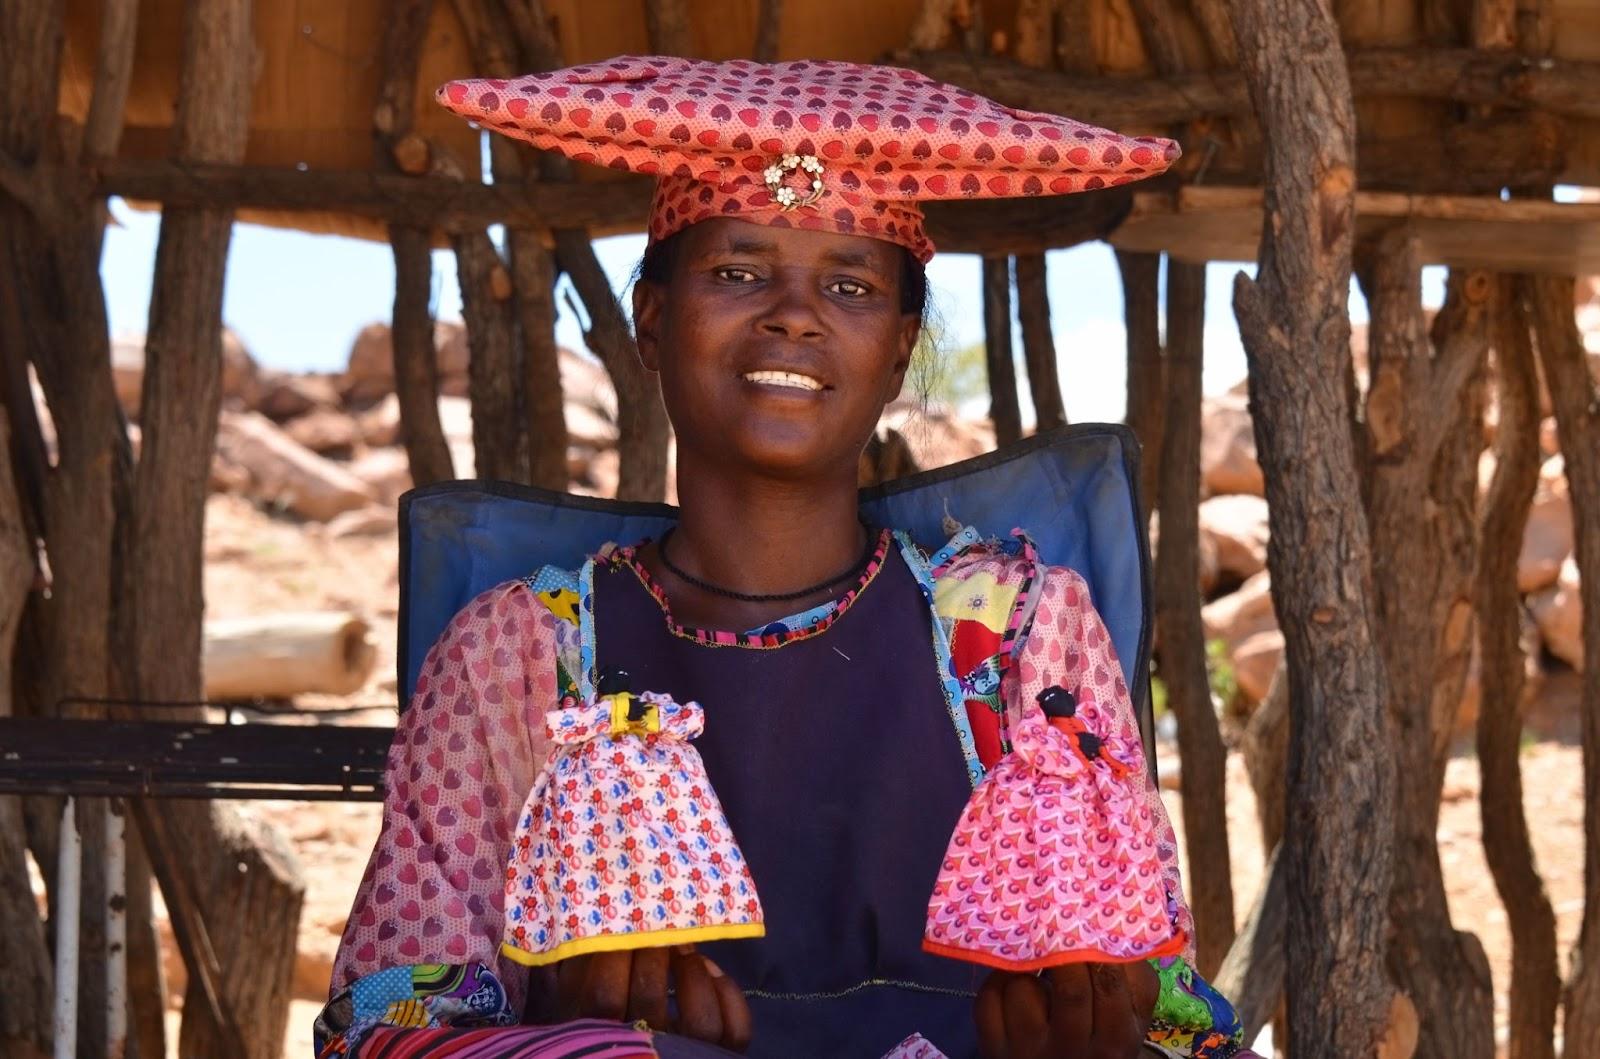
{"points": [[887, 139]]}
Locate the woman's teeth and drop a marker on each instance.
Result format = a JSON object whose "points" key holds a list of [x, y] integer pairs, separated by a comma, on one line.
{"points": [[784, 378]]}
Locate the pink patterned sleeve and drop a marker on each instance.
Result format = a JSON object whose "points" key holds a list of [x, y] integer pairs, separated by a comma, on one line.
{"points": [[463, 759], [1068, 646]]}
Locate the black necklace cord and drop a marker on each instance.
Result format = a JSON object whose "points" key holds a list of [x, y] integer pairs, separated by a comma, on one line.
{"points": [[767, 597]]}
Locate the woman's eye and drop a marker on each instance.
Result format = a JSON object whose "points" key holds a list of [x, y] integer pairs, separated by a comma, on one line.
{"points": [[851, 288], [735, 275]]}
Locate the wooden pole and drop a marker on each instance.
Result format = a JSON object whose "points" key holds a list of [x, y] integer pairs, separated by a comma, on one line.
{"points": [[769, 20], [416, 379], [1294, 321], [534, 394], [26, 979], [1535, 984], [1141, 314], [1183, 641], [642, 425], [1577, 406], [668, 27], [998, 359], [1038, 344], [1420, 400]]}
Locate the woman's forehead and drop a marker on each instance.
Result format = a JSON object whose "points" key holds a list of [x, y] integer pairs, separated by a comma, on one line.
{"points": [[795, 245]]}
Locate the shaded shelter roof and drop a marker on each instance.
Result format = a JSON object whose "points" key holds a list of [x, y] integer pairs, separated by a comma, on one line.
{"points": [[318, 77]]}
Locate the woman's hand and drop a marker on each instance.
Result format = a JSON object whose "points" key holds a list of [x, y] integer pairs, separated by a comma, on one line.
{"points": [[632, 985], [1079, 1011]]}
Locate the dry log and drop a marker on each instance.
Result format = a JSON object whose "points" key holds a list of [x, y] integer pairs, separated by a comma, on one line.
{"points": [[284, 472], [1183, 645], [279, 656], [1141, 312], [1577, 405], [1294, 321], [1038, 344], [998, 360], [1535, 973]]}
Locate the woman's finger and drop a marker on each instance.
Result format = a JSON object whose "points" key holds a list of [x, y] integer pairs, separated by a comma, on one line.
{"points": [[990, 1014], [735, 1009], [1027, 1017], [1071, 1009], [1116, 1031], [647, 988], [605, 987], [699, 1011], [1144, 988]]}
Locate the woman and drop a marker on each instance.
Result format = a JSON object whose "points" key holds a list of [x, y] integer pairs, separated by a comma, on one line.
{"points": [[838, 665]]}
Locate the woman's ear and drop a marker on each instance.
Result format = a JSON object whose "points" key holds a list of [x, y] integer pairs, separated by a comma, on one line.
{"points": [[648, 299], [905, 347]]}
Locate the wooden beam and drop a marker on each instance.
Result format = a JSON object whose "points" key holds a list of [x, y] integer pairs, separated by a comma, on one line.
{"points": [[1252, 974], [1218, 223], [1447, 75]]}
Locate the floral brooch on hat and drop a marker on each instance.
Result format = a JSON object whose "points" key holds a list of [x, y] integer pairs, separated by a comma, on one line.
{"points": [[622, 843]]}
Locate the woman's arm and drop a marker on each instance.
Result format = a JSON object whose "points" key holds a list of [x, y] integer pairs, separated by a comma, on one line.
{"points": [[463, 759]]}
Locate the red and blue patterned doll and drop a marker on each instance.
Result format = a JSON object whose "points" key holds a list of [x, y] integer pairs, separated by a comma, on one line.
{"points": [[622, 843]]}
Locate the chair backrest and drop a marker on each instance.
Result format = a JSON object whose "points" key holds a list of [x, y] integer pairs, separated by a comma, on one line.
{"points": [[1075, 490]]}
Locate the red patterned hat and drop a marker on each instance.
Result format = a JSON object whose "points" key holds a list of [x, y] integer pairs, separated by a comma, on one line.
{"points": [[833, 146]]}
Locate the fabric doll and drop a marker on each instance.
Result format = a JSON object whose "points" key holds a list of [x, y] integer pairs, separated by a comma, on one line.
{"points": [[622, 843], [1054, 860]]}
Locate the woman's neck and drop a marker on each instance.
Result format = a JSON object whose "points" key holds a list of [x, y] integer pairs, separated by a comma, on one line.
{"points": [[757, 536]]}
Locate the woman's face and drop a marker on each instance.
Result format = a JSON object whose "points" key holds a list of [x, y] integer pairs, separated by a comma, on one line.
{"points": [[777, 348]]}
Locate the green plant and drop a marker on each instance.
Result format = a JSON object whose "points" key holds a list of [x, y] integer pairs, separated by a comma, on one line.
{"points": [[1219, 670]]}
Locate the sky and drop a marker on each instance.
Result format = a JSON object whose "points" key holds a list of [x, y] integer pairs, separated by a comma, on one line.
{"points": [[298, 300]]}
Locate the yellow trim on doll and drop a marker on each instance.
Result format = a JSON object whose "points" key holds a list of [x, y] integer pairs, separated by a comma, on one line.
{"points": [[979, 597], [623, 721], [646, 939]]}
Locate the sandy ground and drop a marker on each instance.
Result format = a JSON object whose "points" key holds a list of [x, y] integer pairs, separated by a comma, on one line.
{"points": [[258, 563]]}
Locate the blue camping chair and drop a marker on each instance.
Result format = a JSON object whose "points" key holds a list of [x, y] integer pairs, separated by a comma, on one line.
{"points": [[1075, 490]]}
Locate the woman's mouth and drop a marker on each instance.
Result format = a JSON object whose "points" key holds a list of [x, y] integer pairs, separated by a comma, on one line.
{"points": [[786, 379]]}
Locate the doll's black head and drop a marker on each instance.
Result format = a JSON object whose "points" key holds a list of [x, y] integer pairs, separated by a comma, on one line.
{"points": [[1058, 702]]}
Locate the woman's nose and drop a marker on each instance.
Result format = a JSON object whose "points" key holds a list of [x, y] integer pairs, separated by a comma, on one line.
{"points": [[793, 313]]}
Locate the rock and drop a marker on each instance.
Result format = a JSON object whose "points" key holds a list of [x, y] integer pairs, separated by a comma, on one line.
{"points": [[937, 436], [600, 474], [1547, 539], [584, 380], [386, 470], [1228, 448], [127, 371], [285, 473], [1558, 612], [587, 426], [326, 432], [379, 520], [369, 370], [1254, 662], [1549, 436], [241, 378], [380, 425], [1240, 615], [285, 396], [1237, 526]]}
